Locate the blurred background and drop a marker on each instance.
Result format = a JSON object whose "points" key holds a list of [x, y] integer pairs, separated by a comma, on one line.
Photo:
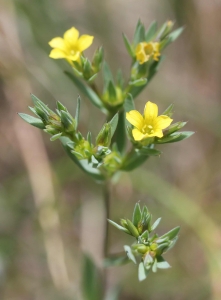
{"points": [[50, 210]]}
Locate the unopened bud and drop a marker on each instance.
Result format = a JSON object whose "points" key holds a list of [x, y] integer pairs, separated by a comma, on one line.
{"points": [[104, 136]]}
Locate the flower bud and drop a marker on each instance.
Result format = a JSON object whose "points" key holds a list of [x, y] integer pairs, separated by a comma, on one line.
{"points": [[104, 136], [67, 121]]}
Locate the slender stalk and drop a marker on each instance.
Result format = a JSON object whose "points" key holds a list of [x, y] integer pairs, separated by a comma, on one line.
{"points": [[106, 197]]}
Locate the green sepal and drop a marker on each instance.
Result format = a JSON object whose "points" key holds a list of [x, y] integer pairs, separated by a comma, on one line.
{"points": [[92, 78], [87, 91], [77, 113], [151, 32], [55, 137], [107, 75], [136, 214], [133, 230], [60, 106], [139, 35], [149, 151], [138, 82], [112, 92], [121, 228], [120, 79], [89, 138], [169, 111], [130, 254], [174, 127], [128, 46], [32, 121], [171, 38], [174, 137]]}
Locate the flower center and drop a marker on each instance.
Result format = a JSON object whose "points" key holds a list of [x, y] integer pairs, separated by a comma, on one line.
{"points": [[148, 49], [147, 129], [72, 52]]}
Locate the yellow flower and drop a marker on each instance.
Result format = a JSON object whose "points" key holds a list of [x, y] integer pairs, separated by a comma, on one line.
{"points": [[71, 46], [145, 51], [150, 124]]}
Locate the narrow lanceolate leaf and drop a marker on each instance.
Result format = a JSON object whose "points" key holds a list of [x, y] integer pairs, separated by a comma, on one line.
{"points": [[136, 214], [77, 114], [171, 234], [174, 137], [91, 280], [139, 35], [129, 103], [120, 134], [119, 226], [87, 91], [175, 34], [128, 46], [151, 32], [174, 127], [130, 254], [155, 224], [162, 264], [142, 272], [35, 99], [113, 123], [32, 120], [133, 160]]}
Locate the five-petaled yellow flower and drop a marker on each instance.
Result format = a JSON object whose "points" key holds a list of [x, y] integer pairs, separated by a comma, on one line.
{"points": [[71, 46], [145, 51], [150, 124]]}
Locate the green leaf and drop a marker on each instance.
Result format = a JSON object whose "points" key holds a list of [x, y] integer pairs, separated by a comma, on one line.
{"points": [[154, 266], [138, 82], [130, 254], [155, 224], [120, 79], [174, 137], [35, 99], [87, 91], [78, 108], [113, 123], [151, 32], [162, 264], [82, 164], [91, 280], [120, 134], [119, 226], [133, 160], [136, 214], [129, 103], [116, 260], [175, 34], [32, 121], [128, 46], [142, 272], [171, 234]]}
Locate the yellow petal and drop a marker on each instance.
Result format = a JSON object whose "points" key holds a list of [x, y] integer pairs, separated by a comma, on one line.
{"points": [[58, 42], [135, 118], [84, 42], [162, 122], [150, 112], [57, 53], [71, 36], [138, 136], [158, 133]]}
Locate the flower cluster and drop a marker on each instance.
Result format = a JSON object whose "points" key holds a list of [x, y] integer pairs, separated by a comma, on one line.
{"points": [[148, 246]]}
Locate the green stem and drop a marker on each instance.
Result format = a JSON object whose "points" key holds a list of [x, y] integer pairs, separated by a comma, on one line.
{"points": [[106, 197]]}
